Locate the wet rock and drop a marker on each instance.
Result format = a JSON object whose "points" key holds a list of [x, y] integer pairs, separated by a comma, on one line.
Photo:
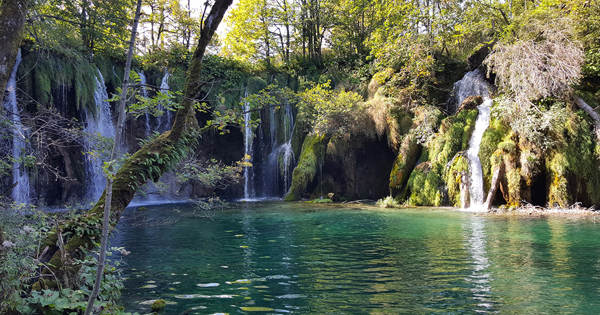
{"points": [[158, 305]]}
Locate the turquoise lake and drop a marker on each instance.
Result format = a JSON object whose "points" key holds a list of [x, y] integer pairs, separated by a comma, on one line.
{"points": [[291, 258]]}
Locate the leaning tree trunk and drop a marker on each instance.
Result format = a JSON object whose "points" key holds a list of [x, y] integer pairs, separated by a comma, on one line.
{"points": [[593, 114], [12, 22], [113, 156], [149, 162]]}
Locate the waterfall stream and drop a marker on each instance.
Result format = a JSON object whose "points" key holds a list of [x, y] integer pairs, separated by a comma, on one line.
{"points": [[145, 95], [164, 121], [248, 173], [473, 83], [277, 175], [100, 124], [272, 155], [482, 123], [21, 193]]}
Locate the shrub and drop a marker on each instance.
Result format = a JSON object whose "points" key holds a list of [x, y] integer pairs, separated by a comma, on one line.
{"points": [[388, 202]]}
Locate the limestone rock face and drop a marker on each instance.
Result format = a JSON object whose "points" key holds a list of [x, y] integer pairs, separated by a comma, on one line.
{"points": [[351, 167]]}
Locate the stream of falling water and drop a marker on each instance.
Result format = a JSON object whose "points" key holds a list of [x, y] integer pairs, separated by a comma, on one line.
{"points": [[145, 95], [21, 193], [473, 84], [164, 121], [482, 123], [99, 124], [248, 174]]}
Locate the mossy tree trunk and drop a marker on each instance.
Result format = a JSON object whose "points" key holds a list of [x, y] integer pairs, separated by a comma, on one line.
{"points": [[113, 156], [12, 21], [149, 162]]}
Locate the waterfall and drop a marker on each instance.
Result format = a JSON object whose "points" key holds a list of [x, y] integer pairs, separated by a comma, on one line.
{"points": [[164, 121], [100, 124], [21, 193], [248, 176], [277, 173], [482, 123], [473, 83], [145, 95]]}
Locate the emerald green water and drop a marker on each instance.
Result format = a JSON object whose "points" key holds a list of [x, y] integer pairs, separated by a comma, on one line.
{"points": [[281, 258]]}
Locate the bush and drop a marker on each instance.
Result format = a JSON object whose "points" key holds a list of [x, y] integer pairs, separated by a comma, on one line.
{"points": [[388, 202]]}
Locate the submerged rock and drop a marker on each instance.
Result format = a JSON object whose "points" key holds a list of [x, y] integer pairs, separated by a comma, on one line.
{"points": [[158, 305]]}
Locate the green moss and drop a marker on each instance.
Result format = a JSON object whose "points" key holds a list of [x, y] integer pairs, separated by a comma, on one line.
{"points": [[453, 136], [404, 119], [255, 85], [454, 177], [320, 200], [45, 75], [424, 182], [495, 133], [313, 149], [403, 164], [573, 166], [158, 305]]}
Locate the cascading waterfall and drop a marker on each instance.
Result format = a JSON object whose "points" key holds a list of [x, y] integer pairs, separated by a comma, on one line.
{"points": [[473, 83], [164, 121], [21, 193], [99, 124], [248, 174], [482, 123], [280, 160], [145, 95]]}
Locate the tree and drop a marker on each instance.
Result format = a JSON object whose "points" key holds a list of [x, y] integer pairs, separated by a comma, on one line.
{"points": [[151, 161], [250, 36], [545, 62], [12, 22], [109, 180], [98, 25]]}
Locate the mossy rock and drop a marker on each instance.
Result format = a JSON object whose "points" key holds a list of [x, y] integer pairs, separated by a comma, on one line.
{"points": [[313, 150], [454, 176], [158, 305], [496, 133], [404, 163], [428, 184], [471, 102]]}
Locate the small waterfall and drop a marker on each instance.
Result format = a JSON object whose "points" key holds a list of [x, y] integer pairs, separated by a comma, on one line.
{"points": [[100, 124], [482, 123], [248, 174], [279, 162], [473, 83], [164, 121], [145, 95], [21, 193]]}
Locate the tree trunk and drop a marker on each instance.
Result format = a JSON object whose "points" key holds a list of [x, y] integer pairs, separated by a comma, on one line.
{"points": [[150, 161], [113, 156], [593, 114], [498, 172], [12, 22]]}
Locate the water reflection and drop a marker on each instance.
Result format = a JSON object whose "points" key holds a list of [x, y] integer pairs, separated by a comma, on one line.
{"points": [[480, 276]]}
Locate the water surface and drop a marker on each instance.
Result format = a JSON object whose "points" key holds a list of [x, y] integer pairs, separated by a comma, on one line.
{"points": [[282, 258]]}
